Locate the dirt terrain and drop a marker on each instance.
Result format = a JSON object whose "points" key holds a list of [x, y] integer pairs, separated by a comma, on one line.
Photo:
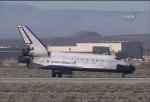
{"points": [[70, 92], [74, 92]]}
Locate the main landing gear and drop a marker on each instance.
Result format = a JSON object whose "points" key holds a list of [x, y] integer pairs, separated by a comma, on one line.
{"points": [[60, 72], [123, 75]]}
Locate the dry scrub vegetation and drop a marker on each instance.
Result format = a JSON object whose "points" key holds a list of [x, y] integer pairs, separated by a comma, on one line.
{"points": [[70, 92], [74, 92], [10, 68]]}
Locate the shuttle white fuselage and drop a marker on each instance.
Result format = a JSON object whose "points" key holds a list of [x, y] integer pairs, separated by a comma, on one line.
{"points": [[80, 60], [37, 53]]}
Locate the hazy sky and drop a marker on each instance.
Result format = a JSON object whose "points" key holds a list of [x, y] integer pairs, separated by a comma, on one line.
{"points": [[89, 5], [60, 24]]}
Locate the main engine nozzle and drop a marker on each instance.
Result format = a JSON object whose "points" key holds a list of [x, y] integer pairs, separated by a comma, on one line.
{"points": [[25, 57]]}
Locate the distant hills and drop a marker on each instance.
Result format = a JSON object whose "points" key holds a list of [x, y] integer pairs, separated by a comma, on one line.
{"points": [[60, 23], [92, 37], [84, 34], [83, 37]]}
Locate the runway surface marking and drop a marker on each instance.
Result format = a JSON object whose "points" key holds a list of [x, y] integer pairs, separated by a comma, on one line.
{"points": [[76, 80]]}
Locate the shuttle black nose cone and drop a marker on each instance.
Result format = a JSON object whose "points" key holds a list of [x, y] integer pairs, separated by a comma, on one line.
{"points": [[125, 69]]}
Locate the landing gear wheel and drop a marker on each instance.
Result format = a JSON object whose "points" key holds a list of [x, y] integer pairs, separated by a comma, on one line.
{"points": [[56, 73], [123, 75], [53, 75], [59, 75]]}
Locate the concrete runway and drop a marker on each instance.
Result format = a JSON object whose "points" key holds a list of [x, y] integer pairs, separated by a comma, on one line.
{"points": [[76, 80]]}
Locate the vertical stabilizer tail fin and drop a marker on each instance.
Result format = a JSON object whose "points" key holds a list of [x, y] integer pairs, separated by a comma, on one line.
{"points": [[30, 39]]}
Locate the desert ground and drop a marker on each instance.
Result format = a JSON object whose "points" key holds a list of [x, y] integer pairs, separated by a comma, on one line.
{"points": [[61, 91], [84, 91]]}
